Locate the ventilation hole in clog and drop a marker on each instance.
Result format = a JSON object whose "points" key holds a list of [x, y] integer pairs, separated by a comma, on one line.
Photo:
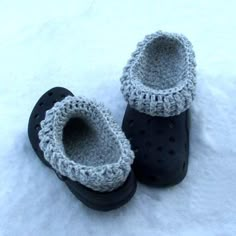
{"points": [[172, 139], [172, 152], [160, 148], [171, 124], [142, 131], [37, 127], [76, 105], [148, 144], [50, 94], [36, 116], [131, 123], [41, 104]]}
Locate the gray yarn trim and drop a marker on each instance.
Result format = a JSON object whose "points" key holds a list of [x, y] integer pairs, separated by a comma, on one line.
{"points": [[168, 98], [99, 177]]}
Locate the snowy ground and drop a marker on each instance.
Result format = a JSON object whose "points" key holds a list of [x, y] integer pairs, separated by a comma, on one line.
{"points": [[83, 46]]}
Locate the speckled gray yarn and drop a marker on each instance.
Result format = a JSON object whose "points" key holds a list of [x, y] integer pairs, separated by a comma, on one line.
{"points": [[81, 141], [160, 77]]}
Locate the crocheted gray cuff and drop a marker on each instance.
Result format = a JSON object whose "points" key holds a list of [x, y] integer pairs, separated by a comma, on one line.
{"points": [[80, 140], [160, 77]]}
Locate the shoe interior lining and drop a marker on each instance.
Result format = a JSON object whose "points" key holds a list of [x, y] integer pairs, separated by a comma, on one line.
{"points": [[88, 143], [162, 64]]}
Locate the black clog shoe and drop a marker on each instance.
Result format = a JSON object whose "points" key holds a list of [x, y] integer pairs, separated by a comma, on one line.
{"points": [[159, 85], [79, 140]]}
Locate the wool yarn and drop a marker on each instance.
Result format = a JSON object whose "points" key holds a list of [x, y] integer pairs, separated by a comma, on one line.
{"points": [[81, 141], [160, 77]]}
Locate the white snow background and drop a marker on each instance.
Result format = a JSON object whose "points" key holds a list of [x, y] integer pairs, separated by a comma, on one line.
{"points": [[83, 46]]}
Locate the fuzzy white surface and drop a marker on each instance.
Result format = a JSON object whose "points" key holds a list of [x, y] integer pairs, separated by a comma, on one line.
{"points": [[83, 46]]}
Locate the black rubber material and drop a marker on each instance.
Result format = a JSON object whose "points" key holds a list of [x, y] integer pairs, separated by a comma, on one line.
{"points": [[38, 114], [103, 201], [161, 146]]}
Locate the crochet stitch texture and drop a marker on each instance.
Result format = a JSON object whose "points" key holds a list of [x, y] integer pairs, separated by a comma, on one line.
{"points": [[160, 78], [80, 140]]}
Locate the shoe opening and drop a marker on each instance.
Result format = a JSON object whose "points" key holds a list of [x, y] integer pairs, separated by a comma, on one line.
{"points": [[162, 63], [88, 143]]}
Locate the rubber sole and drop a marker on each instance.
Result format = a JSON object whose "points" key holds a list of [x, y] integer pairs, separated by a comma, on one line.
{"points": [[103, 201], [161, 146]]}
